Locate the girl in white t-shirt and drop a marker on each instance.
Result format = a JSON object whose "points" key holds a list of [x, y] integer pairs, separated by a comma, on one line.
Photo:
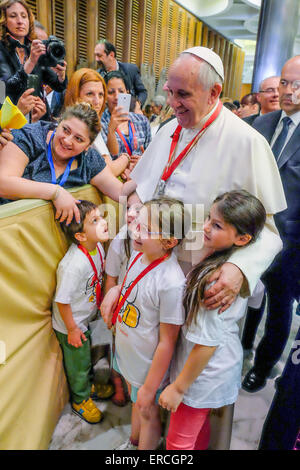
{"points": [[149, 315], [206, 367], [117, 258]]}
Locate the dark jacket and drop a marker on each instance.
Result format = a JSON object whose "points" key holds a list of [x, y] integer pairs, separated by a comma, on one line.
{"points": [[287, 221], [136, 86], [250, 119], [15, 77]]}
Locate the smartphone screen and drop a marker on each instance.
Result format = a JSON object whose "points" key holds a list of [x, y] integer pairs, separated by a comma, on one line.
{"points": [[2, 91], [124, 100], [33, 81]]}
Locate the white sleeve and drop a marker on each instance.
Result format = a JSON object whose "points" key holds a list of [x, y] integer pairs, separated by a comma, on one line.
{"points": [[170, 303], [100, 145], [114, 258], [207, 330], [67, 287], [255, 258]]}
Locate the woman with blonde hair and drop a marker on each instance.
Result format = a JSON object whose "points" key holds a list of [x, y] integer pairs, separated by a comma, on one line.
{"points": [[20, 51], [88, 85]]}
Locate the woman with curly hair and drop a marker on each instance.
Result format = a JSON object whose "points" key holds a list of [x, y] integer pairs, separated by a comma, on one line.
{"points": [[19, 56]]}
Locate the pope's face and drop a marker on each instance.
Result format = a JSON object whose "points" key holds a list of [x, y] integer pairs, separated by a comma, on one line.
{"points": [[186, 95]]}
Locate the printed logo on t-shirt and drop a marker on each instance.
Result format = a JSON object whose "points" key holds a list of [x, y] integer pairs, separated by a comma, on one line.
{"points": [[90, 288], [130, 314]]}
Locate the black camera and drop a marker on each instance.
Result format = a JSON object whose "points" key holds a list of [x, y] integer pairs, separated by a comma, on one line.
{"points": [[55, 52]]}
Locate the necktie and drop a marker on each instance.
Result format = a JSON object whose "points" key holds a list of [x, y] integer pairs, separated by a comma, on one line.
{"points": [[279, 142]]}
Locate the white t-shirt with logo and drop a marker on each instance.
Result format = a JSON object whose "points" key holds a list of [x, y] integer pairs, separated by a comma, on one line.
{"points": [[157, 298], [219, 382], [74, 286]]}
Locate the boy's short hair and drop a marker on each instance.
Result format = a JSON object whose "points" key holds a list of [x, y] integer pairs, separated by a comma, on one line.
{"points": [[85, 207]]}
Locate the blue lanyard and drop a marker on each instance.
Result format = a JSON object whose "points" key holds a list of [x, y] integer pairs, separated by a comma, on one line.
{"points": [[132, 143], [50, 160]]}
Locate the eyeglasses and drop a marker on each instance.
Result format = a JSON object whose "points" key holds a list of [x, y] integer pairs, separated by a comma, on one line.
{"points": [[295, 84], [269, 90]]}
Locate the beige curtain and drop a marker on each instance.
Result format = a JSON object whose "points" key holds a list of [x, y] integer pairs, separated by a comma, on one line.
{"points": [[33, 387]]}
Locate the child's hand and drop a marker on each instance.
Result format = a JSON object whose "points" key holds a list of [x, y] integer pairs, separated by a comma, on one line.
{"points": [[145, 401], [109, 305], [170, 398], [75, 336]]}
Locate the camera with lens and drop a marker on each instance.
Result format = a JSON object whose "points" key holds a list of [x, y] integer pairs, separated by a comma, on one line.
{"points": [[55, 52]]}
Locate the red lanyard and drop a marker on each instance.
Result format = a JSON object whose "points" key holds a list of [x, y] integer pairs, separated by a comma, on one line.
{"points": [[137, 279], [169, 169], [95, 279], [133, 137]]}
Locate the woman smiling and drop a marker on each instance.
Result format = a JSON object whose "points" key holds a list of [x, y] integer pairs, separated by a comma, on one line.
{"points": [[47, 160], [87, 85], [20, 51]]}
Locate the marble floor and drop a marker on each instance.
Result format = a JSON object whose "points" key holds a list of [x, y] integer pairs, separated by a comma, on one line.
{"points": [[72, 433]]}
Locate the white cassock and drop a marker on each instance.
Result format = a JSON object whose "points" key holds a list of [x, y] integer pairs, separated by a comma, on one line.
{"points": [[229, 155]]}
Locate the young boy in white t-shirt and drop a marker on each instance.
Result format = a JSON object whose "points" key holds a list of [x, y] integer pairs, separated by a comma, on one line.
{"points": [[76, 302]]}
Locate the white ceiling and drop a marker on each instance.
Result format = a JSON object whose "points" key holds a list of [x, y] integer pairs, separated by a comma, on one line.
{"points": [[237, 20]]}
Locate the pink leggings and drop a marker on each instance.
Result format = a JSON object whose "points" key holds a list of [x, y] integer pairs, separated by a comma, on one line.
{"points": [[189, 429]]}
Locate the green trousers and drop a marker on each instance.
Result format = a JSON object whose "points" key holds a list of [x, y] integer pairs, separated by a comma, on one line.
{"points": [[78, 366]]}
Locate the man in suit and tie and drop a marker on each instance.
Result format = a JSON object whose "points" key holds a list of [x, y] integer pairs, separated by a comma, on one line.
{"points": [[267, 97], [105, 56], [282, 280]]}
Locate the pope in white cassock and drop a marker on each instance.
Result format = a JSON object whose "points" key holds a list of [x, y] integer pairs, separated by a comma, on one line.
{"points": [[225, 154]]}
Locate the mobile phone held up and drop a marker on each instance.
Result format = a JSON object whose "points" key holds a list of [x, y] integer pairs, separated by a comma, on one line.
{"points": [[33, 81], [124, 100]]}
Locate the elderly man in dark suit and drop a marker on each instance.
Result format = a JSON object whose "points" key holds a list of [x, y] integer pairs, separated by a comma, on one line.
{"points": [[282, 280], [105, 56], [268, 98]]}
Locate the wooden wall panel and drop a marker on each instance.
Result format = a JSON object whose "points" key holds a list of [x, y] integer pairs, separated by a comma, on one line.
{"points": [[198, 33], [162, 15], [147, 26], [82, 36], [102, 19], [204, 41], [134, 46], [33, 6], [120, 30], [151, 32], [44, 14], [58, 15]]}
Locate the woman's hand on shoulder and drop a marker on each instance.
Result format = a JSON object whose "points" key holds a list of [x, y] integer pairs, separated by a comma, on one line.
{"points": [[66, 206], [5, 137], [222, 294]]}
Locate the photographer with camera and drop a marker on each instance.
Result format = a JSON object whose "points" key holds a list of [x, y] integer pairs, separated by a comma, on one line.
{"points": [[22, 56]]}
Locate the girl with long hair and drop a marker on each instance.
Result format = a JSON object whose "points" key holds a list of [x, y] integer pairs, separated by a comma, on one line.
{"points": [[206, 367]]}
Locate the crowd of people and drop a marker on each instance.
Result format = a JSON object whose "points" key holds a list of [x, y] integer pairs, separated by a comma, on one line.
{"points": [[212, 219]]}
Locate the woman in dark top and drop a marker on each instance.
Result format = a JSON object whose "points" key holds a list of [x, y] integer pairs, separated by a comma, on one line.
{"points": [[20, 52], [40, 162]]}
